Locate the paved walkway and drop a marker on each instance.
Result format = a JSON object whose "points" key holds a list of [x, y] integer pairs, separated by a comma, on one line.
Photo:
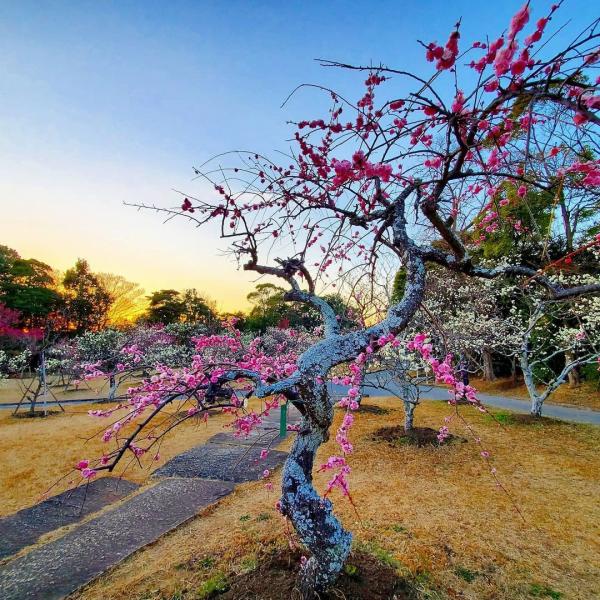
{"points": [[25, 527], [564, 413], [556, 411], [186, 484]]}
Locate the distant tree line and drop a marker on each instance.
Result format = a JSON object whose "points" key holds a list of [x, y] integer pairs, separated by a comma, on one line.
{"points": [[35, 297]]}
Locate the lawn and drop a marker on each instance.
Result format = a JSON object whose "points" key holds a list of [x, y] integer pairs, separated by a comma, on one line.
{"points": [[586, 395], [36, 452], [11, 390], [434, 515]]}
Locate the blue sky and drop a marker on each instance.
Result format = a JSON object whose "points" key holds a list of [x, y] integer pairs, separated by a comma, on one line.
{"points": [[108, 102]]}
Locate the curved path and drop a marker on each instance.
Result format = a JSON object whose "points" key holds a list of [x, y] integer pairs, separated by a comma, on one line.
{"points": [[564, 413], [200, 477], [556, 411]]}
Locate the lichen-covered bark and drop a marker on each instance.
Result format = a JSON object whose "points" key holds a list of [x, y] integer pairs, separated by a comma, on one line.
{"points": [[312, 516], [537, 401]]}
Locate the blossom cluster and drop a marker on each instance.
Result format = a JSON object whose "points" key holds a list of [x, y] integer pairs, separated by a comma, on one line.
{"points": [[350, 165], [350, 402], [200, 385]]}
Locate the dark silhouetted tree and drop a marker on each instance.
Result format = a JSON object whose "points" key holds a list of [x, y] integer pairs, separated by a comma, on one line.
{"points": [[86, 300]]}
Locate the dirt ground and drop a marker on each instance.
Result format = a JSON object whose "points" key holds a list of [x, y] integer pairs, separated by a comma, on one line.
{"points": [[434, 515]]}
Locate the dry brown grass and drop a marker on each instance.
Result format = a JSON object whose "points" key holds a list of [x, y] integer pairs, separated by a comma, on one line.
{"points": [[586, 395], [429, 511], [11, 390], [36, 452]]}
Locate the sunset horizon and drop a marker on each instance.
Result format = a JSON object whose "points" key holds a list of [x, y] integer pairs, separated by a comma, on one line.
{"points": [[299, 300], [104, 107], [229, 295]]}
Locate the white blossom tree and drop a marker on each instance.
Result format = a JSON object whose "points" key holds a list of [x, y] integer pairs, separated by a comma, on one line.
{"points": [[558, 337]]}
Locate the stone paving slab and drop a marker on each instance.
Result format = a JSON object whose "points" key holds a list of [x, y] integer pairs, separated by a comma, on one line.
{"points": [[58, 568], [26, 526], [221, 461], [260, 439]]}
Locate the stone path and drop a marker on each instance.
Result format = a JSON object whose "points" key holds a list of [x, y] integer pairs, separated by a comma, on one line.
{"points": [[25, 527], [225, 462], [58, 568], [186, 484]]}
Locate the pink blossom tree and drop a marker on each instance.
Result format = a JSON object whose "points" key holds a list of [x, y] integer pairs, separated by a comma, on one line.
{"points": [[34, 343], [10, 330], [414, 176]]}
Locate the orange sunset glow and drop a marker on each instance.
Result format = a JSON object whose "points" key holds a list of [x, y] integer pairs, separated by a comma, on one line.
{"points": [[299, 300], [119, 239]]}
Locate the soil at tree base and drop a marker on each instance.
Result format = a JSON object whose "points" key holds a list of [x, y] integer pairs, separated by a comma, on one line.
{"points": [[364, 578], [418, 436]]}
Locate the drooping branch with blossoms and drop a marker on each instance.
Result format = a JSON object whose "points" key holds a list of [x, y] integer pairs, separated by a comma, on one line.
{"points": [[140, 423], [421, 177]]}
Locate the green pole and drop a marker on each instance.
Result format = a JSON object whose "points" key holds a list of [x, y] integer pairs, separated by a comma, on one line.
{"points": [[283, 420]]}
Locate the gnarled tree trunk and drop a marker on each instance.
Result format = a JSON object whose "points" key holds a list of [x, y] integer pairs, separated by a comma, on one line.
{"points": [[537, 400], [514, 375], [574, 374], [536, 405], [409, 415], [112, 387], [312, 516]]}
